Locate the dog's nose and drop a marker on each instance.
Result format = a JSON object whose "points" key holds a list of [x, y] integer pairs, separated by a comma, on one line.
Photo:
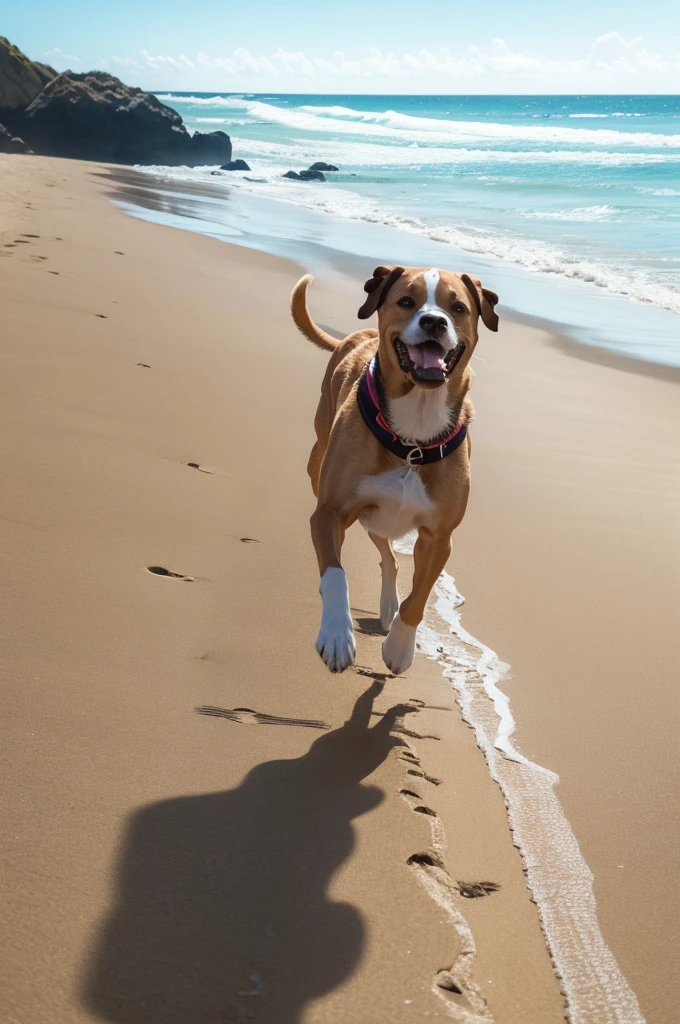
{"points": [[434, 324]]}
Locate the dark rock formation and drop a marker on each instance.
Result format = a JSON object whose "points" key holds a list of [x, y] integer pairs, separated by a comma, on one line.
{"points": [[210, 148], [235, 165], [321, 166], [21, 79], [11, 143], [94, 116], [305, 175]]}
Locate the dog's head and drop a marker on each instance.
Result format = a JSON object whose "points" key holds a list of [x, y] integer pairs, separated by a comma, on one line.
{"points": [[428, 320]]}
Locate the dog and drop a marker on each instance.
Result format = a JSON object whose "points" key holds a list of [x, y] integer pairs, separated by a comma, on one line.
{"points": [[392, 448]]}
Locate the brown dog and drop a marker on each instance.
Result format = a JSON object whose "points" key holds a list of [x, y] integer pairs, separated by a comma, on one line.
{"points": [[392, 448]]}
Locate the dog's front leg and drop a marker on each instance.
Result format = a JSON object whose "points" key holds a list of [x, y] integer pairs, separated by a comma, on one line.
{"points": [[335, 642], [430, 556]]}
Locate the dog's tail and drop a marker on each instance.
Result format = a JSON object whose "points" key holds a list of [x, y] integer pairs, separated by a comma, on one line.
{"points": [[304, 322]]}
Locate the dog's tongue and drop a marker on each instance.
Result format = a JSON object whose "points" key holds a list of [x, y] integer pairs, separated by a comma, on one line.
{"points": [[429, 355]]}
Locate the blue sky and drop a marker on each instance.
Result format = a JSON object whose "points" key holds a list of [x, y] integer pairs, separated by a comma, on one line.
{"points": [[339, 46]]}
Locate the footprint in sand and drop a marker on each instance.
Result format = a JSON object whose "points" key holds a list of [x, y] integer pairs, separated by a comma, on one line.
{"points": [[101, 316], [422, 809], [24, 235], [474, 890], [146, 366], [246, 716], [55, 272], [249, 540], [422, 775], [201, 469], [415, 735], [159, 570]]}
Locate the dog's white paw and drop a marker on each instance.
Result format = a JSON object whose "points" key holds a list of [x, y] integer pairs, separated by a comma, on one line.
{"points": [[335, 642], [399, 646], [389, 605], [337, 646]]}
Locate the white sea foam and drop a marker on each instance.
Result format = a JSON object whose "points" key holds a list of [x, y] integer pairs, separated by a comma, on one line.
{"points": [[391, 124], [577, 214], [534, 255], [362, 155], [557, 874], [656, 191]]}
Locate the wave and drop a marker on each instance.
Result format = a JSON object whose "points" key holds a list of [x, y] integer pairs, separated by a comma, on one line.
{"points": [[351, 154], [656, 191], [532, 255], [406, 127], [577, 214]]}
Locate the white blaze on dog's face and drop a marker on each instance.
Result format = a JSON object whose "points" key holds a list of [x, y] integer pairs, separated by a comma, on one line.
{"points": [[428, 320]]}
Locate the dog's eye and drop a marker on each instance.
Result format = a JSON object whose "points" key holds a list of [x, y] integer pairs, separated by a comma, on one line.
{"points": [[458, 307], [406, 302]]}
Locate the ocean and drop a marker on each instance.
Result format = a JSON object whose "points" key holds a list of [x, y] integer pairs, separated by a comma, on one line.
{"points": [[555, 201]]}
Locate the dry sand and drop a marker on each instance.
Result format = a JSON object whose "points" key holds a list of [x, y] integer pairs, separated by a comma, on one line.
{"points": [[169, 867]]}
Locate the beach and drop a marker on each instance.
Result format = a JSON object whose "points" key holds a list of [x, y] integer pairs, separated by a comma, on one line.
{"points": [[201, 822]]}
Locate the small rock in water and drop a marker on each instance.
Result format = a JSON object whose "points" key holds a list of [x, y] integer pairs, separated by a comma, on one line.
{"points": [[235, 165], [305, 175]]}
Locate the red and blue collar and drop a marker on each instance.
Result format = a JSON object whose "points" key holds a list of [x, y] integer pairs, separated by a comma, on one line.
{"points": [[371, 403]]}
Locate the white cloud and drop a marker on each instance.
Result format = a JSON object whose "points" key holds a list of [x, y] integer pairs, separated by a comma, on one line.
{"points": [[61, 60], [614, 37], [612, 63]]}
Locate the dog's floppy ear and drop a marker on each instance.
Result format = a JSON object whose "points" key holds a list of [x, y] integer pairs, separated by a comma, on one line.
{"points": [[377, 288], [484, 300]]}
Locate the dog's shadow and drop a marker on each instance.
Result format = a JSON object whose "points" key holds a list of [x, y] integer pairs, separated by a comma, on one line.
{"points": [[221, 910], [369, 626]]}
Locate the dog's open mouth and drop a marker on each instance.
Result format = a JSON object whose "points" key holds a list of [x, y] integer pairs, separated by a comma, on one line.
{"points": [[429, 360]]}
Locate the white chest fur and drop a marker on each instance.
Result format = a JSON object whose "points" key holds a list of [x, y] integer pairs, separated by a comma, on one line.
{"points": [[396, 502], [420, 415]]}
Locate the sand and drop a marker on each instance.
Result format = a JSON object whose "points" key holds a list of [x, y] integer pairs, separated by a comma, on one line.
{"points": [[169, 866]]}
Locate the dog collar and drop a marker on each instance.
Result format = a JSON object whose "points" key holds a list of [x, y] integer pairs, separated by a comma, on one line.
{"points": [[369, 397]]}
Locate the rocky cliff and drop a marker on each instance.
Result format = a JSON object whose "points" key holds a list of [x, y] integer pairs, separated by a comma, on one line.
{"points": [[94, 116], [21, 79]]}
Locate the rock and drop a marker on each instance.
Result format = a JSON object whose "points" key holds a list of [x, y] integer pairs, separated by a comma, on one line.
{"points": [[305, 175], [11, 143], [210, 148], [21, 79], [94, 116], [321, 166], [235, 165]]}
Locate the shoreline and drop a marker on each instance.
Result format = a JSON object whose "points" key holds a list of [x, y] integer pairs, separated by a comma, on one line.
{"points": [[131, 183], [490, 919], [590, 315]]}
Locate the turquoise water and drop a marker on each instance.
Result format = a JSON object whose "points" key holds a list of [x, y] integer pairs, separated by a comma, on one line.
{"points": [[579, 194]]}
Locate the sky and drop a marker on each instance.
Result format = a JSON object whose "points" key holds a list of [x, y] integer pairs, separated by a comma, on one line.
{"points": [[354, 46]]}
